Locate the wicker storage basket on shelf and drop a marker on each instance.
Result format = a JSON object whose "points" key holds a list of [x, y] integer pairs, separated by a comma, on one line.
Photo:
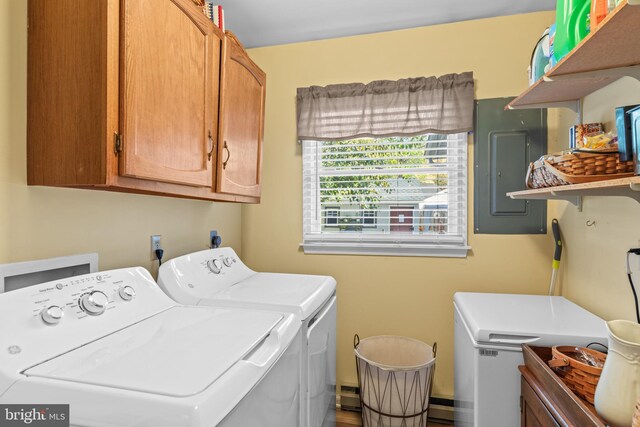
{"points": [[580, 377], [575, 168]]}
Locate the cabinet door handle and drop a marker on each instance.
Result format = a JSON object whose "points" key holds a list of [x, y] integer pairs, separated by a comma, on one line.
{"points": [[224, 164], [211, 146]]}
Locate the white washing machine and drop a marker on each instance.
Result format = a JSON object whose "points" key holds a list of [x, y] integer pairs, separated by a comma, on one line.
{"points": [[218, 277], [115, 348]]}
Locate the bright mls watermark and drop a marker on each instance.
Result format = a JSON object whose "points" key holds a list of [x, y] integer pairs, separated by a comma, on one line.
{"points": [[34, 415]]}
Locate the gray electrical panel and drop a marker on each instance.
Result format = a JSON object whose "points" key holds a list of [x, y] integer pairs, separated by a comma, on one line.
{"points": [[506, 141]]}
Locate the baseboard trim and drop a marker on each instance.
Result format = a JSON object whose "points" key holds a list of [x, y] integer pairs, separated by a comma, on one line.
{"points": [[440, 408]]}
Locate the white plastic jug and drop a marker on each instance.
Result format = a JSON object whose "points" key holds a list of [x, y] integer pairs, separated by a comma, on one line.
{"points": [[619, 387]]}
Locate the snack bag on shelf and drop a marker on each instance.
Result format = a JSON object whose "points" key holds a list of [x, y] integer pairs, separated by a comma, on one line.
{"points": [[578, 132], [601, 141]]}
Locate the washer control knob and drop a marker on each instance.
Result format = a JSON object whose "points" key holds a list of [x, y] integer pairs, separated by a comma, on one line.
{"points": [[127, 293], [52, 315], [227, 261], [214, 265], [94, 303]]}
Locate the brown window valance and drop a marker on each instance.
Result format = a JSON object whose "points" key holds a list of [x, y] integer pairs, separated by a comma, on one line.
{"points": [[386, 108]]}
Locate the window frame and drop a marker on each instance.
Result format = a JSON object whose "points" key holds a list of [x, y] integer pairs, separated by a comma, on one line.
{"points": [[389, 244]]}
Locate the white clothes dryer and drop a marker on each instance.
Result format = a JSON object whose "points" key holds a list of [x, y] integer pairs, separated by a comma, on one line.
{"points": [[115, 348], [219, 277]]}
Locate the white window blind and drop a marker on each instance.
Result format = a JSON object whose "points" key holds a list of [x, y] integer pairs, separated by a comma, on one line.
{"points": [[387, 196]]}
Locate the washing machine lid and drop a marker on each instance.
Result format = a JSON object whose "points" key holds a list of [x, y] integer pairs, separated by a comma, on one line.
{"points": [[511, 320], [178, 352], [302, 294]]}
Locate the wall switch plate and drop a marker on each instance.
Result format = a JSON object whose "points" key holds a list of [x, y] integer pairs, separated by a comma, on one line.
{"points": [[155, 244]]}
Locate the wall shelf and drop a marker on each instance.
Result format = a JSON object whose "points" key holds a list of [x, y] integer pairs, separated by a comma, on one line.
{"points": [[623, 187], [610, 52]]}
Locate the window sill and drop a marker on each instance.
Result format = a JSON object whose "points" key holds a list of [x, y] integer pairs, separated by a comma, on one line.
{"points": [[332, 248]]}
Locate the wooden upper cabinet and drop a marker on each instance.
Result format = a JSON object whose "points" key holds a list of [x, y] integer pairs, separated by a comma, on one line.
{"points": [[169, 83], [123, 95], [241, 122]]}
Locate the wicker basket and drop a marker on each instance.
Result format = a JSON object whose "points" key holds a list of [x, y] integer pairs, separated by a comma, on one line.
{"points": [[575, 168], [580, 377]]}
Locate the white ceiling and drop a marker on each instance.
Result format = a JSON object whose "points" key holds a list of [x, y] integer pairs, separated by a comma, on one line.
{"points": [[272, 22]]}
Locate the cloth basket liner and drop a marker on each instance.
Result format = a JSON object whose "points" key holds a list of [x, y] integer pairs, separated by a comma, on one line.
{"points": [[395, 375]]}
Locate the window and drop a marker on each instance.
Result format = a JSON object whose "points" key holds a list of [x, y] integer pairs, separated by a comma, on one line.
{"points": [[331, 216], [397, 195], [385, 166], [368, 218]]}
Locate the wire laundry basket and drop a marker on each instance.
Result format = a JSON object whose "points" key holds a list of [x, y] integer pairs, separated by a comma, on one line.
{"points": [[395, 376]]}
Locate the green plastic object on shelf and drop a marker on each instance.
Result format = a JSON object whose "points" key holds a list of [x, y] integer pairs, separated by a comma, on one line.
{"points": [[572, 25]]}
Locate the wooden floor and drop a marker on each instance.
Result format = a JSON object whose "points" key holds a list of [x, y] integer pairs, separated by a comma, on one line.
{"points": [[351, 419], [347, 419]]}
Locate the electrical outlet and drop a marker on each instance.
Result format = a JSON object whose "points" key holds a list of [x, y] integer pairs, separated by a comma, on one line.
{"points": [[155, 244], [212, 235]]}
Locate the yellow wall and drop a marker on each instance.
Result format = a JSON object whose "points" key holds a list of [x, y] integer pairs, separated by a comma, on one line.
{"points": [[594, 271], [392, 295], [38, 222], [5, 130]]}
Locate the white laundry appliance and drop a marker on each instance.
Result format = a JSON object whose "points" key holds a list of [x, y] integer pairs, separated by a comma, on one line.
{"points": [[219, 277], [489, 330], [22, 274], [115, 348]]}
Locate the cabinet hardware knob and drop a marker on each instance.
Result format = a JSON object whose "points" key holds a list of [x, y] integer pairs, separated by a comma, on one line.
{"points": [[224, 164]]}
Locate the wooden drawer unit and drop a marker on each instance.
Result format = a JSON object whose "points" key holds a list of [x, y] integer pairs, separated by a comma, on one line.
{"points": [[545, 400]]}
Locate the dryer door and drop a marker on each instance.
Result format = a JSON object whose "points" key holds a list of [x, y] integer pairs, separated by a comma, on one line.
{"points": [[301, 294], [321, 366]]}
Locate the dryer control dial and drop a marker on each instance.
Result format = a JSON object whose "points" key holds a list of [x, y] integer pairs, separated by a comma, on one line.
{"points": [[227, 261], [127, 293], [214, 265], [94, 303], [52, 315]]}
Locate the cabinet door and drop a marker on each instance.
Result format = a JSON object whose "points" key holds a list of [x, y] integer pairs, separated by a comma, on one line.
{"points": [[242, 94], [169, 86]]}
